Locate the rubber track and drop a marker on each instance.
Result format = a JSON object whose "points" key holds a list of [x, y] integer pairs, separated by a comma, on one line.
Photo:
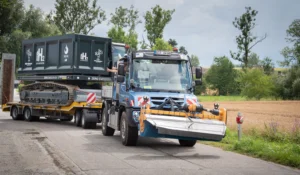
{"points": [[54, 86]]}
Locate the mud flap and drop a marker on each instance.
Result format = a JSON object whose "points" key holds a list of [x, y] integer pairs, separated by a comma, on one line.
{"points": [[201, 129]]}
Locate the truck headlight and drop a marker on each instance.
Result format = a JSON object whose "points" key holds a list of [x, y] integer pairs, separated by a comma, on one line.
{"points": [[136, 116]]}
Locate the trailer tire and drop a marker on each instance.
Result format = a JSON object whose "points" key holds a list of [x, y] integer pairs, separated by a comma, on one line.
{"points": [[187, 143], [106, 130], [77, 117], [129, 135], [27, 114], [14, 114]]}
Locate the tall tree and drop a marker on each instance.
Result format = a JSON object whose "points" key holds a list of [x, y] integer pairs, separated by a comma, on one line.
{"points": [[183, 50], [122, 19], [133, 18], [155, 22], [221, 76], [11, 14], [173, 42], [79, 16], [194, 61], [245, 41], [160, 44], [292, 54]]}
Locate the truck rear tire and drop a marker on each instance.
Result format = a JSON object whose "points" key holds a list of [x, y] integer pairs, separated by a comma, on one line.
{"points": [[27, 114], [187, 143], [106, 130], [129, 135], [77, 117], [15, 114]]}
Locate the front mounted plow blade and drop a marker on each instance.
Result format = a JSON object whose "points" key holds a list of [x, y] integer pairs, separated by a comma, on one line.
{"points": [[192, 124], [200, 129]]}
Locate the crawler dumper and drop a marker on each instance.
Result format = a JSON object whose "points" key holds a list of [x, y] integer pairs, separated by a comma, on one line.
{"points": [[64, 75]]}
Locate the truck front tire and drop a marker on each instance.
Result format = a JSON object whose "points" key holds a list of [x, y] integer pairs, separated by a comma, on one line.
{"points": [[129, 135], [187, 143], [106, 130]]}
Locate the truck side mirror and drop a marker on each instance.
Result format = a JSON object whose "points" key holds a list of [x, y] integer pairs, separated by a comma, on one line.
{"points": [[198, 82], [198, 72], [120, 78], [121, 69]]}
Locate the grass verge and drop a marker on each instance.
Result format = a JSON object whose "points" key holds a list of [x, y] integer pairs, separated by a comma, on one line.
{"points": [[230, 98], [268, 145]]}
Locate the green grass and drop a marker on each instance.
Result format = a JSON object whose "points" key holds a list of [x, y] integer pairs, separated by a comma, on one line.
{"points": [[230, 98], [280, 148]]}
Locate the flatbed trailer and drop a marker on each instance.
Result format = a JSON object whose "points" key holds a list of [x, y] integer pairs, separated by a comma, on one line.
{"points": [[84, 114]]}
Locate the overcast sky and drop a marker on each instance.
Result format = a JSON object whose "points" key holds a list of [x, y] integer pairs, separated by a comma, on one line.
{"points": [[205, 27]]}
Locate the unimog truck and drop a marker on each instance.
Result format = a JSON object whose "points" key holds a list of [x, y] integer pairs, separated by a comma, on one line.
{"points": [[154, 97]]}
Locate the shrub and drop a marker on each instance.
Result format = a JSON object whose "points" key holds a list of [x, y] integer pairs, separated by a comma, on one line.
{"points": [[255, 84]]}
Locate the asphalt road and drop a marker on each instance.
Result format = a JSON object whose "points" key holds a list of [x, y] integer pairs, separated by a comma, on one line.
{"points": [[54, 147]]}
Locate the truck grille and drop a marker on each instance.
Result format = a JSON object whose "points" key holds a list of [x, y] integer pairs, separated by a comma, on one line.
{"points": [[160, 100]]}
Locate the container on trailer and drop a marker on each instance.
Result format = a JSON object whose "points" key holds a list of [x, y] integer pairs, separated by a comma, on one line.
{"points": [[70, 54]]}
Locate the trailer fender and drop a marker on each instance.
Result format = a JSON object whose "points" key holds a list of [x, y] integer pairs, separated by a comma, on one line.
{"points": [[91, 116]]}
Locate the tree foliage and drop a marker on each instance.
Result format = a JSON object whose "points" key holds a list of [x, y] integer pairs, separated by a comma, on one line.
{"points": [[160, 44], [77, 16], [194, 61], [11, 14], [245, 41], [173, 42], [122, 19], [32, 25], [267, 65], [34, 21], [255, 84], [117, 34], [292, 54], [143, 43], [125, 17], [183, 50], [253, 61], [221, 76], [155, 22]]}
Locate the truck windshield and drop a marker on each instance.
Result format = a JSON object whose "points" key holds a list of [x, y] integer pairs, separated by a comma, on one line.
{"points": [[118, 52], [161, 75]]}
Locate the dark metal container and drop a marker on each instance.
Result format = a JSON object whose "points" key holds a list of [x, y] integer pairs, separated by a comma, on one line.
{"points": [[70, 54]]}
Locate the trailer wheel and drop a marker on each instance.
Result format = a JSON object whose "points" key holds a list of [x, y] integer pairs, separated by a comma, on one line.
{"points": [[27, 114], [77, 119], [15, 113], [83, 123], [129, 135], [106, 130], [187, 143]]}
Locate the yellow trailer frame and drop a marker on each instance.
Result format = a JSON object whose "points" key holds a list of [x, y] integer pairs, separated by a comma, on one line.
{"points": [[85, 114]]}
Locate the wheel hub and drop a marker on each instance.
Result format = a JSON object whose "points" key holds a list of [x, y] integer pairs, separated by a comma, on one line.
{"points": [[123, 129]]}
